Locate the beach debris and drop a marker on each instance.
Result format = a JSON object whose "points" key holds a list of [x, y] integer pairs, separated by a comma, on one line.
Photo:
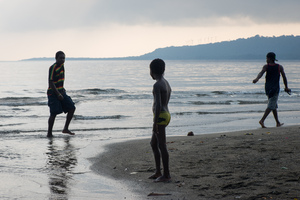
{"points": [[158, 194], [132, 173], [285, 168], [180, 184], [191, 133], [249, 134]]}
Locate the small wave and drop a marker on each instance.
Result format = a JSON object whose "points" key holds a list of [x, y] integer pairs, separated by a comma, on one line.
{"points": [[238, 92], [19, 116], [219, 92], [17, 131], [81, 117], [202, 95], [229, 102], [135, 96], [6, 116], [4, 125], [22, 101], [96, 91], [215, 113], [251, 102], [211, 103]]}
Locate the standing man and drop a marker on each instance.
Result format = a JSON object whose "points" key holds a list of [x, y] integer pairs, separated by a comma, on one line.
{"points": [[58, 100], [161, 94], [272, 86]]}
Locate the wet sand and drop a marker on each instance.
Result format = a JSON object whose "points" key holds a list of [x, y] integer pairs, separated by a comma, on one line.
{"points": [[254, 164]]}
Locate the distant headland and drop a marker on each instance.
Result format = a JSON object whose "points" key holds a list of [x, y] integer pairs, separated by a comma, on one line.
{"points": [[253, 48]]}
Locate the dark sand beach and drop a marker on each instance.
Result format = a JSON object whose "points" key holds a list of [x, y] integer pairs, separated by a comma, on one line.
{"points": [[254, 164]]}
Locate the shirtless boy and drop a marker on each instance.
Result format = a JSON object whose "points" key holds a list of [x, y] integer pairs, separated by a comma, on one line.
{"points": [[161, 94], [273, 71], [58, 100]]}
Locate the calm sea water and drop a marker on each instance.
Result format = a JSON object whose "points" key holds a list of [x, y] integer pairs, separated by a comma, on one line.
{"points": [[114, 100]]}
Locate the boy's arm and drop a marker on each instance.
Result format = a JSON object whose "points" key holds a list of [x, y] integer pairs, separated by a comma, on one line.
{"points": [[284, 79], [157, 108], [260, 74], [53, 87]]}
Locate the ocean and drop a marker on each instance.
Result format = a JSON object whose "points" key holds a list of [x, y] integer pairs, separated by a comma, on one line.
{"points": [[113, 103]]}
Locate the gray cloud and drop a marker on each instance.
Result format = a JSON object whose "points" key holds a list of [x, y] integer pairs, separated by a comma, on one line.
{"points": [[19, 15], [204, 12]]}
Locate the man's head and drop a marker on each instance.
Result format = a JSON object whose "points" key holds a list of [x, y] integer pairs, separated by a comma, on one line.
{"points": [[60, 57], [157, 66], [271, 57]]}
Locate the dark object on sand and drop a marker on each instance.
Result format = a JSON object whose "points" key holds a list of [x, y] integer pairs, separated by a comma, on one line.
{"points": [[190, 133], [158, 194]]}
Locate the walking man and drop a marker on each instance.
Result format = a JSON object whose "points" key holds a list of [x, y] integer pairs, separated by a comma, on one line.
{"points": [[273, 71]]}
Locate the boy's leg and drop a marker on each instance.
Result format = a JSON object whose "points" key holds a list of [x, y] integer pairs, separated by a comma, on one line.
{"points": [[68, 121], [156, 153], [55, 109], [164, 153], [69, 108], [50, 125]]}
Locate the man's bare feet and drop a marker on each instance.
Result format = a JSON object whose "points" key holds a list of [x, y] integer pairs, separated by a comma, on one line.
{"points": [[280, 124], [163, 178], [155, 176], [68, 132], [262, 124]]}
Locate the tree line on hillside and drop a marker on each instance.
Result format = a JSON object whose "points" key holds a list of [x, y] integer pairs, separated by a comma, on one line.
{"points": [[253, 48]]}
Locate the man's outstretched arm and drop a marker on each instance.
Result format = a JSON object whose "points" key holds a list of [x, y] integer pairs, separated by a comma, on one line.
{"points": [[260, 74]]}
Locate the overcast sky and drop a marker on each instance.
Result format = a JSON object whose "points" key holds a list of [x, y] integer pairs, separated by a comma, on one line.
{"points": [[118, 28]]}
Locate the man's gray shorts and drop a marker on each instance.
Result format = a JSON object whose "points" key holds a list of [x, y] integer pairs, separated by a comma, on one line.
{"points": [[272, 102]]}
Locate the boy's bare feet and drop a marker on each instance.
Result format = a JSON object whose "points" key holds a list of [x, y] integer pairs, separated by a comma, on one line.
{"points": [[162, 179], [155, 176], [68, 132], [262, 124]]}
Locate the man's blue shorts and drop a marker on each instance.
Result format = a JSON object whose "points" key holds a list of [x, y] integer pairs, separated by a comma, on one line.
{"points": [[56, 106]]}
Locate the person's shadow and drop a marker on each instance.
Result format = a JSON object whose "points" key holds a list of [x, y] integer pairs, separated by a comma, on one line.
{"points": [[60, 164]]}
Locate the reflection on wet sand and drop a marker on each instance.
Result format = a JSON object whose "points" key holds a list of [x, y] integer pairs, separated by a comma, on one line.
{"points": [[60, 164]]}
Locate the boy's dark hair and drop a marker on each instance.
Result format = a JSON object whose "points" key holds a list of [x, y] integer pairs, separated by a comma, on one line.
{"points": [[272, 56], [157, 66], [59, 53]]}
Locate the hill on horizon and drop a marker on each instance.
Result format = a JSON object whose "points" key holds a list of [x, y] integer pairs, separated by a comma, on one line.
{"points": [[253, 48], [285, 47]]}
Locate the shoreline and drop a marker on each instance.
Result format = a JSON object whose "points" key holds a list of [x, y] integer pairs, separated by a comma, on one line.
{"points": [[248, 164]]}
